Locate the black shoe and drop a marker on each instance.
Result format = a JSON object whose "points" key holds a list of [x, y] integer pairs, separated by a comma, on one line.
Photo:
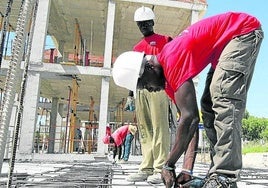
{"points": [[219, 181]]}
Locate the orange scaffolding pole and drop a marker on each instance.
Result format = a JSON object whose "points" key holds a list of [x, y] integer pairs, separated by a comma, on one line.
{"points": [[73, 118], [77, 42]]}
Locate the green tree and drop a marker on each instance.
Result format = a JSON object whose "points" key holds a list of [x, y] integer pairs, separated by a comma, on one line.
{"points": [[264, 134], [246, 115], [254, 128]]}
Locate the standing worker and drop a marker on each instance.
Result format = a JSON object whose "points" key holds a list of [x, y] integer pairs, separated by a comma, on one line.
{"points": [[230, 42], [77, 139], [152, 109]]}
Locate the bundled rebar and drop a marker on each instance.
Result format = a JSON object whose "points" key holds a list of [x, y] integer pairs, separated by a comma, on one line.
{"points": [[21, 98], [13, 76]]}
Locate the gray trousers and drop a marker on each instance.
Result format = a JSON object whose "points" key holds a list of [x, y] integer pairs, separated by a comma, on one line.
{"points": [[223, 102]]}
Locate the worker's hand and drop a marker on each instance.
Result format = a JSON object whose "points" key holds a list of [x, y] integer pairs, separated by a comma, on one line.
{"points": [[181, 179], [168, 177]]}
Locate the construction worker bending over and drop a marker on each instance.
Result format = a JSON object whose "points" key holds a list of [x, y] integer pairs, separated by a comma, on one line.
{"points": [[230, 42], [122, 136]]}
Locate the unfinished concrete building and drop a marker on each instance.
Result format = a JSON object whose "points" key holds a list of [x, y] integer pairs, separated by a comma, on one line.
{"points": [[48, 89]]}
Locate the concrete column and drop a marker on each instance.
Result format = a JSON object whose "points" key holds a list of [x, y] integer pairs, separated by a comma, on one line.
{"points": [[102, 148], [52, 125], [40, 32], [60, 109], [58, 146], [29, 117], [65, 57]]}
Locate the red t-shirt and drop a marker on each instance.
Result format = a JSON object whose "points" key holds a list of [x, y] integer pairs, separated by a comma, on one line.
{"points": [[200, 44], [120, 134], [152, 45]]}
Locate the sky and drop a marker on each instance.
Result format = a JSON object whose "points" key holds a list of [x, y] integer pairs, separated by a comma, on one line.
{"points": [[257, 102]]}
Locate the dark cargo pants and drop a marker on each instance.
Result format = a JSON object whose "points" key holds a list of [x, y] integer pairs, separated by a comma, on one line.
{"points": [[224, 101]]}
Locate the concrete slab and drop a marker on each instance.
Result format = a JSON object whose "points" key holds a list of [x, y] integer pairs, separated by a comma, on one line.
{"points": [[77, 170]]}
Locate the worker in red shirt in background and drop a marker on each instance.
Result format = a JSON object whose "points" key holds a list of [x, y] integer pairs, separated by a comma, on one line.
{"points": [[122, 136], [230, 42], [152, 109]]}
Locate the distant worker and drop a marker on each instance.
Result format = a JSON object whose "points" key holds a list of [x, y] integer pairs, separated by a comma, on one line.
{"points": [[77, 137], [121, 137], [152, 109]]}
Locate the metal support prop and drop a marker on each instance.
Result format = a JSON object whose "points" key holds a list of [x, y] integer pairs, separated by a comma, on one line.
{"points": [[91, 109], [79, 45], [2, 19], [74, 100]]}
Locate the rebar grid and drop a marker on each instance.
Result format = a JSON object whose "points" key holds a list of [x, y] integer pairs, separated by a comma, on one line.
{"points": [[105, 175]]}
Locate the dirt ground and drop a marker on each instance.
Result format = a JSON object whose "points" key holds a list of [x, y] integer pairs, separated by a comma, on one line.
{"points": [[258, 160]]}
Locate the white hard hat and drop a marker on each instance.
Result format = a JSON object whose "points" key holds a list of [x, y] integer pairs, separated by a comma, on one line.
{"points": [[127, 70], [143, 14]]}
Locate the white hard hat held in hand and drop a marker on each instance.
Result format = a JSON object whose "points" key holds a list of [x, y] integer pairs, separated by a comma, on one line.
{"points": [[143, 14]]}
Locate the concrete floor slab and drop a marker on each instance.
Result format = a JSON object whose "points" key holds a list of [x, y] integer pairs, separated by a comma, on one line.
{"points": [[84, 171]]}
